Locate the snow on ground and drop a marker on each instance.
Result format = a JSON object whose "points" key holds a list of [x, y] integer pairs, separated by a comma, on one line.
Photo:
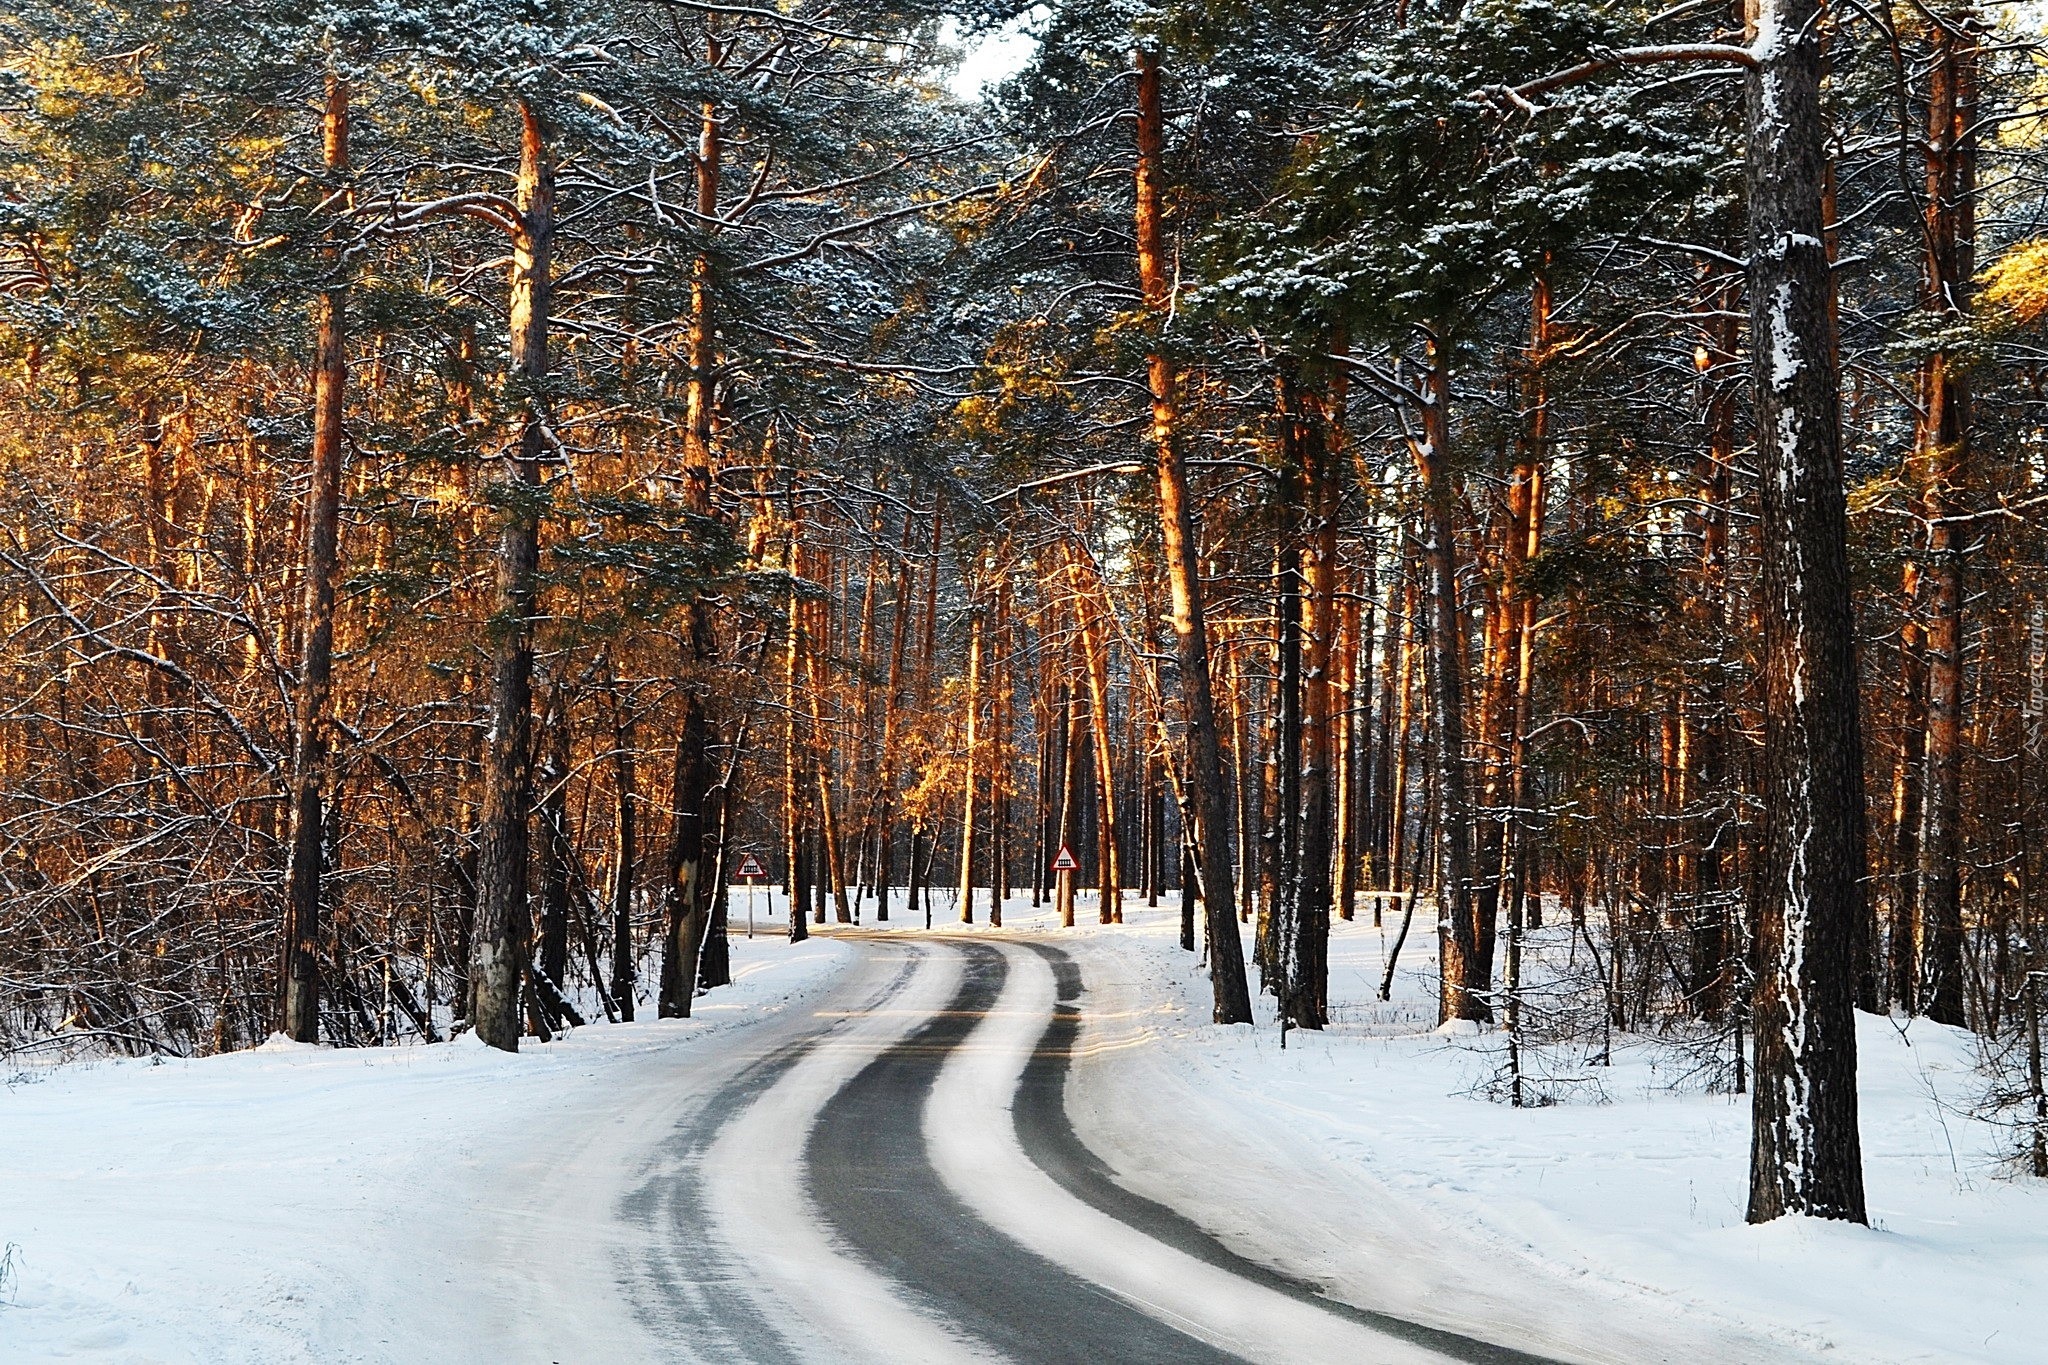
{"points": [[297, 1204], [309, 1204], [1633, 1194]]}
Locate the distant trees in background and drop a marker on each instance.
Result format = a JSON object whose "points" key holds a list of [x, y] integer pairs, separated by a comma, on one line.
{"points": [[477, 471]]}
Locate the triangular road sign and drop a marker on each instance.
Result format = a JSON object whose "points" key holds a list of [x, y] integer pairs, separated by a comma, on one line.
{"points": [[1065, 862], [750, 866]]}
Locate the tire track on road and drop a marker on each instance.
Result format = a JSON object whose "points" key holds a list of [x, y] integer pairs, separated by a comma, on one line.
{"points": [[1047, 1134], [690, 1281], [870, 1173]]}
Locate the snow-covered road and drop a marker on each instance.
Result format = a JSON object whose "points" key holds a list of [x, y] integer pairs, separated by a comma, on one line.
{"points": [[878, 1146], [902, 1184]]}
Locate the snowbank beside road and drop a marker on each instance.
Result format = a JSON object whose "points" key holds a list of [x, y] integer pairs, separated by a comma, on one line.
{"points": [[308, 1204], [1366, 1158]]}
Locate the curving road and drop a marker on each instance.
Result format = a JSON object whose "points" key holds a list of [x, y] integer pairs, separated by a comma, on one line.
{"points": [[897, 1179]]}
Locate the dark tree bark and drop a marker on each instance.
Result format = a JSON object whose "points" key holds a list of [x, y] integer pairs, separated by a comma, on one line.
{"points": [[1280, 808], [1713, 956], [316, 661], [1308, 969], [1806, 1151], [714, 959], [625, 858], [885, 785], [558, 852], [1465, 983], [1069, 797], [687, 892]]}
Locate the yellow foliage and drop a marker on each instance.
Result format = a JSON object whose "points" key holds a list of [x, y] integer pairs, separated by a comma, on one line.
{"points": [[2014, 288]]}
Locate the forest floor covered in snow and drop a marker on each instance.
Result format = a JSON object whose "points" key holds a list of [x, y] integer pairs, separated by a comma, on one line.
{"points": [[1630, 1187], [240, 1207]]}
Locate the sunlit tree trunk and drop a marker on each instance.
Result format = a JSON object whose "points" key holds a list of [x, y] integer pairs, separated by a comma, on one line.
{"points": [[1231, 1002], [1941, 459], [795, 754], [970, 766], [1089, 608], [498, 946]]}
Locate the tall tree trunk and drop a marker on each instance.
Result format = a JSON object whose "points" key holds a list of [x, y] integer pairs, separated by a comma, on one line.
{"points": [[1246, 796], [316, 662], [1465, 983], [625, 857], [1354, 708], [1231, 996], [1526, 499], [1308, 969], [967, 785], [1903, 959], [687, 893], [714, 957], [1707, 822], [999, 765], [795, 753], [1806, 1151], [1070, 796], [885, 782], [1941, 457], [498, 946], [1391, 746], [1091, 603], [1280, 832], [1505, 696], [832, 865], [558, 852]]}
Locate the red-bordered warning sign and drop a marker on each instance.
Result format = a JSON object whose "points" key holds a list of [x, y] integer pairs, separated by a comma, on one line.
{"points": [[1065, 861], [750, 867]]}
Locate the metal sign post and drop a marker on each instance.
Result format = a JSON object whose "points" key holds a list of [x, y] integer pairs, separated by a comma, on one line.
{"points": [[1064, 865], [751, 872]]}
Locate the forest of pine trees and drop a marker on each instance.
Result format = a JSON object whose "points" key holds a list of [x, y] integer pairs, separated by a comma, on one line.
{"points": [[476, 469]]}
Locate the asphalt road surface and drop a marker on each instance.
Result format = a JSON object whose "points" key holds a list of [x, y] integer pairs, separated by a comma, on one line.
{"points": [[896, 1177]]}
